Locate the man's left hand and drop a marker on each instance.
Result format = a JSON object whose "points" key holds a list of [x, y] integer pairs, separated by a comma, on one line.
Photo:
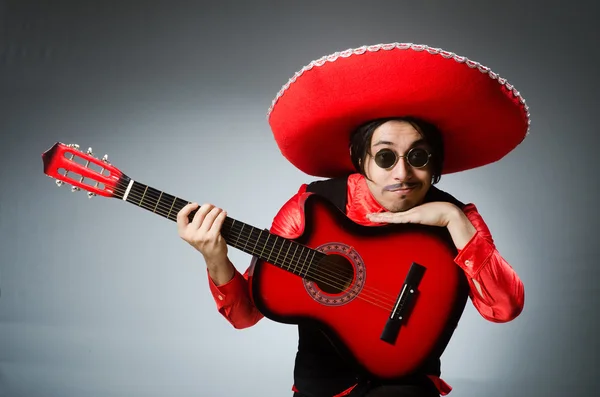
{"points": [[432, 214]]}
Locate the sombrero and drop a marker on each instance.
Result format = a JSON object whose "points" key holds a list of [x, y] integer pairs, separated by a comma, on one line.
{"points": [[481, 116]]}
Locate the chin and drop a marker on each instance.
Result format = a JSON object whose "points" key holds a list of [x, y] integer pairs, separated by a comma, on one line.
{"points": [[401, 203], [404, 207]]}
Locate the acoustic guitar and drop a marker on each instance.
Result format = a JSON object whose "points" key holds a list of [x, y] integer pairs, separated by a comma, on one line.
{"points": [[389, 297]]}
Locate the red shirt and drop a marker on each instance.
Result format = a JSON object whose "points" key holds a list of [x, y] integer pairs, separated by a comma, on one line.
{"points": [[495, 289]]}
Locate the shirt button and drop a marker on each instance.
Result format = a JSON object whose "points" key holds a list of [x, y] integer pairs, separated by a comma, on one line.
{"points": [[468, 262], [220, 297]]}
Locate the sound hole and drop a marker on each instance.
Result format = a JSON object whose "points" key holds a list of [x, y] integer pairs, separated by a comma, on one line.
{"points": [[334, 274]]}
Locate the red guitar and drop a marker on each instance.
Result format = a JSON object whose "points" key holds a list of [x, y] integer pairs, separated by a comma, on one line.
{"points": [[388, 310]]}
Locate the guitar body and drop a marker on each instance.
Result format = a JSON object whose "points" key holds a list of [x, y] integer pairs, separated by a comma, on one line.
{"points": [[360, 280]]}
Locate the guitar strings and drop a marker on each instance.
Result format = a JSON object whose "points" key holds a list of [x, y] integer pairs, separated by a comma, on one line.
{"points": [[246, 236], [373, 296], [381, 299]]}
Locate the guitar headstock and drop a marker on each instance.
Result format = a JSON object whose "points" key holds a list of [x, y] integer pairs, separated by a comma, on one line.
{"points": [[83, 171]]}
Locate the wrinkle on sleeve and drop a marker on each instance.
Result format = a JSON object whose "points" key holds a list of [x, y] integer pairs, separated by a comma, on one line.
{"points": [[497, 292]]}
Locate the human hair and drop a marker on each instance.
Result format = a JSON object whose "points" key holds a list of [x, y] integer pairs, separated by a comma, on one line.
{"points": [[360, 143]]}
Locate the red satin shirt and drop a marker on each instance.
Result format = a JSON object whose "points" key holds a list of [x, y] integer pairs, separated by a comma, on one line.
{"points": [[495, 289]]}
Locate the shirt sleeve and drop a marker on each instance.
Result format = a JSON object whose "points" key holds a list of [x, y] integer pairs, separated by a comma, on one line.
{"points": [[233, 299], [496, 290]]}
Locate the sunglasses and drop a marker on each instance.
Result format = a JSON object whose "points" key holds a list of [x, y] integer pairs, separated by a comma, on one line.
{"points": [[416, 157]]}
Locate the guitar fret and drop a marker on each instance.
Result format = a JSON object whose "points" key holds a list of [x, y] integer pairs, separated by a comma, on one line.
{"points": [[278, 242], [257, 240], [309, 262], [262, 252], [304, 263], [271, 249], [279, 252], [143, 195], [239, 234], [157, 202], [294, 260], [171, 209], [248, 239], [286, 255], [232, 224], [299, 260]]}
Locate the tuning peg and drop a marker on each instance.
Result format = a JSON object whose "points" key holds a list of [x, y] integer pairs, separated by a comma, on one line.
{"points": [[59, 183], [89, 151], [91, 194], [74, 146], [105, 158], [75, 189]]}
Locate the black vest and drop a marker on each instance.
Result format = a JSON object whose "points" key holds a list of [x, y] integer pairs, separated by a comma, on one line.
{"points": [[319, 370]]}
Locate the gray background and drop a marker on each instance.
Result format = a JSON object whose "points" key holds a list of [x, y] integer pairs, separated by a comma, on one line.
{"points": [[99, 298]]}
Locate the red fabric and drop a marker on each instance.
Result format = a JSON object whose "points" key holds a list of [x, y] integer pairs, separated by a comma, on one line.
{"points": [[234, 301], [480, 117], [502, 294]]}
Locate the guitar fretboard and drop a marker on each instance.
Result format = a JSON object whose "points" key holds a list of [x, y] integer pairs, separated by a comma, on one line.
{"points": [[286, 254]]}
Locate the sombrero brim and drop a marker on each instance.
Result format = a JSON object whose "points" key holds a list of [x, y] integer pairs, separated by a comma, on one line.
{"points": [[481, 116]]}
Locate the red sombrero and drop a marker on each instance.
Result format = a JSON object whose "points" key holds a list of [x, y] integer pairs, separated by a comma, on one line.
{"points": [[481, 115]]}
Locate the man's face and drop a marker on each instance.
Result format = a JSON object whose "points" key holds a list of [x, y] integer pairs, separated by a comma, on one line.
{"points": [[402, 186]]}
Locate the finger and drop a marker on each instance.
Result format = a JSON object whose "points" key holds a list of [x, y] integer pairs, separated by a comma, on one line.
{"points": [[393, 217], [407, 217], [381, 216], [209, 219], [200, 215], [217, 225], [182, 215]]}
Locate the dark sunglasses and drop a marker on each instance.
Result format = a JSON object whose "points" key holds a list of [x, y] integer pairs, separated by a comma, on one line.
{"points": [[416, 157]]}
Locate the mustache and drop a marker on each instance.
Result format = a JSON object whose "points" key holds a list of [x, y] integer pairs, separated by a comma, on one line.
{"points": [[403, 185]]}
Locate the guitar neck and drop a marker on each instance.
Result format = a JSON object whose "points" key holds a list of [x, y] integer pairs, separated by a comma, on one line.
{"points": [[283, 253]]}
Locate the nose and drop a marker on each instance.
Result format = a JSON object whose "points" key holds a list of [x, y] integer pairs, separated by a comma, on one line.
{"points": [[401, 170]]}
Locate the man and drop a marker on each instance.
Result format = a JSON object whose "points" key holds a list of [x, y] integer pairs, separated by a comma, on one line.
{"points": [[390, 120]]}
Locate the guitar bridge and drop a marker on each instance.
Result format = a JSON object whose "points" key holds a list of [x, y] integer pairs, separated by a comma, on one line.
{"points": [[404, 303]]}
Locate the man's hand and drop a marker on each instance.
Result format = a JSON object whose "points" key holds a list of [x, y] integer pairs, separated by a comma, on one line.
{"points": [[437, 213], [204, 231], [432, 214], [204, 234]]}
